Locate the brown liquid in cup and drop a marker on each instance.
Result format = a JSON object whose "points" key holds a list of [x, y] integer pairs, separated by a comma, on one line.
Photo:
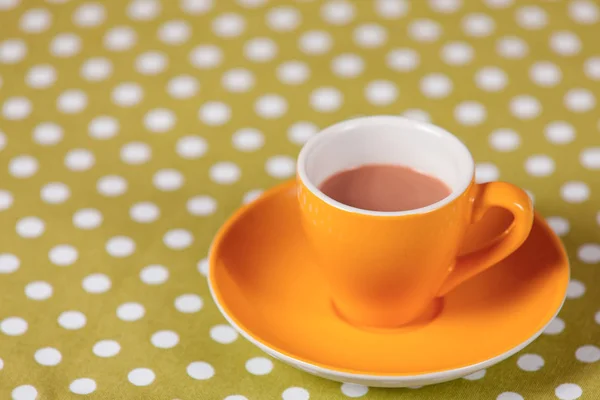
{"points": [[383, 187]]}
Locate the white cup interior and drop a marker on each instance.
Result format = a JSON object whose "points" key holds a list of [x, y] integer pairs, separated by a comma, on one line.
{"points": [[386, 140]]}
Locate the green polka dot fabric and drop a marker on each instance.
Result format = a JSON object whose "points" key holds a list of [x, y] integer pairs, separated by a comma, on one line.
{"points": [[131, 130]]}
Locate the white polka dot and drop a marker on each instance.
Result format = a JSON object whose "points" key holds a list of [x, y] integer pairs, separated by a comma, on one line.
{"points": [[337, 12], [347, 65], [486, 172], [457, 53], [55, 193], [475, 375], [41, 76], [403, 60], [579, 100], [381, 93], [597, 317], [512, 47], [106, 348], [251, 195], [576, 289], [260, 49], [87, 218], [2, 134], [417, 115], [300, 132], [178, 239], [23, 166], [283, 19], [247, 139], [575, 192], [38, 290], [504, 140], [315, 42], [539, 165], [174, 32], [591, 68], [183, 87], [12, 51], [202, 266], [63, 255], [48, 356], [13, 326], [235, 397], [445, 6], [103, 127], [214, 113], [565, 43], [72, 101], [16, 108], [96, 283], [545, 74], [568, 391], [168, 179], [436, 85], [295, 393], [590, 158], [159, 120], [191, 147], [111, 185], [225, 172], [154, 274], [588, 354], [120, 246], [24, 392], [498, 3], [478, 25], [559, 225], [188, 303], [491, 79], [424, 30], [143, 10], [326, 99], [354, 390], [141, 376], [531, 17], [280, 167], [144, 212], [96, 69], [238, 80], [6, 199], [47, 134], [270, 106], [525, 107], [196, 7], [293, 72], [559, 132], [201, 205], [556, 326], [136, 153], [206, 56], [251, 3], [83, 386], [200, 370], [589, 253], [65, 45], [89, 15], [470, 113], [530, 362], [509, 396], [30, 227], [72, 320], [228, 25], [259, 366], [584, 12], [120, 38], [391, 9], [79, 160], [130, 311], [370, 35], [9, 263], [165, 339], [223, 334], [151, 63]]}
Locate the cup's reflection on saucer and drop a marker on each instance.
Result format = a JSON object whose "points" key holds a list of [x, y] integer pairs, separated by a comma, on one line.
{"points": [[385, 269]]}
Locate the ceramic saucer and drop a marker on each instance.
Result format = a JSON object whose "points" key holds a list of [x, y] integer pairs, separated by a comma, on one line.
{"points": [[265, 283]]}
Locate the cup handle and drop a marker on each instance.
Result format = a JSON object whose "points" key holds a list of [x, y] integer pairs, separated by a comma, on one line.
{"points": [[485, 196]]}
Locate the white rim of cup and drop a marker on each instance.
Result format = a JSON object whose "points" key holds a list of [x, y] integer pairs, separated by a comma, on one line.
{"points": [[341, 128]]}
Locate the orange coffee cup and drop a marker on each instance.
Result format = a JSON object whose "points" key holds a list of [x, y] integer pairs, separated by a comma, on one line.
{"points": [[386, 269]]}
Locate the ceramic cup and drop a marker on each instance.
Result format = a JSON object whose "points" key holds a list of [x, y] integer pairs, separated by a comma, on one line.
{"points": [[386, 269]]}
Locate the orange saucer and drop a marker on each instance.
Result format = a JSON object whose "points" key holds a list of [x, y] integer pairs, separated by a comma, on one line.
{"points": [[265, 283]]}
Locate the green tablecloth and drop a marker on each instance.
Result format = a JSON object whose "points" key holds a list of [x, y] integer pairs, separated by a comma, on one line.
{"points": [[131, 130]]}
